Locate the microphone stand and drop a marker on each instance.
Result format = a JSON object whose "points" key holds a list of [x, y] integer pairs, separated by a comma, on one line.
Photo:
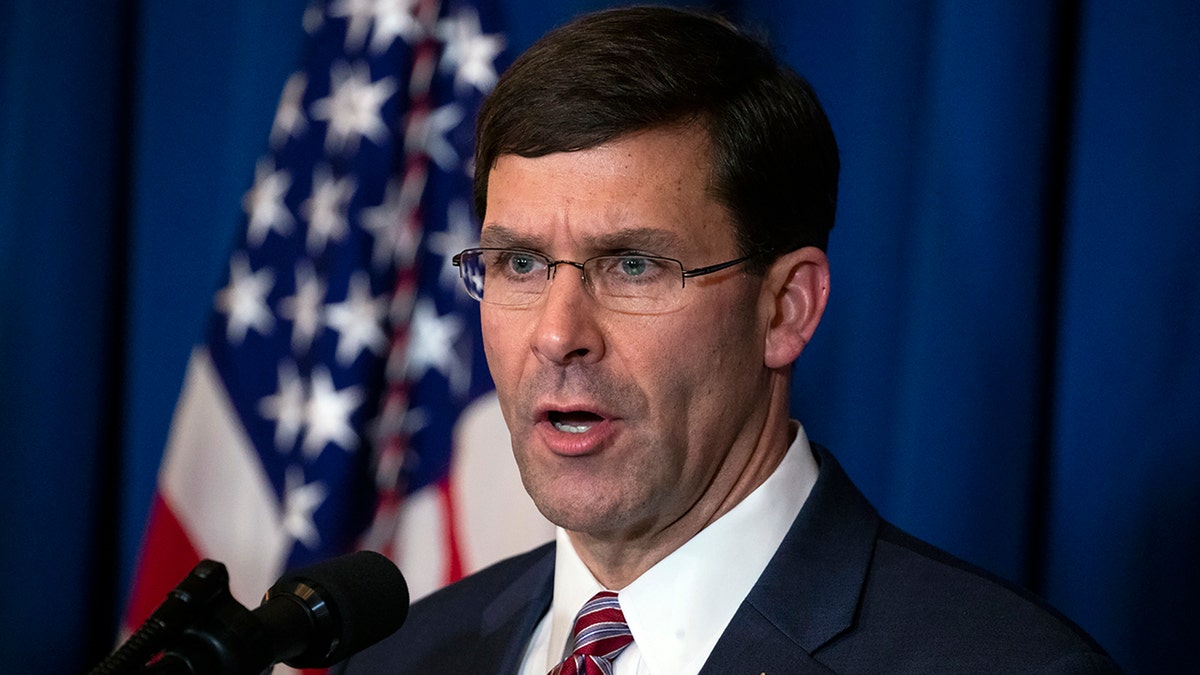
{"points": [[184, 605], [199, 628]]}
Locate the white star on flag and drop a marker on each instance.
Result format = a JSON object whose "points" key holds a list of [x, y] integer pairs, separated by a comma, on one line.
{"points": [[426, 133], [462, 234], [358, 15], [313, 19], [391, 223], [469, 52], [326, 209], [263, 203], [354, 108], [289, 117], [286, 407], [328, 414], [358, 320], [304, 308], [395, 19], [300, 502], [432, 340], [244, 300]]}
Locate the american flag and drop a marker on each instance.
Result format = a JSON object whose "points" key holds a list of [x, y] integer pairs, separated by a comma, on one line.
{"points": [[341, 358]]}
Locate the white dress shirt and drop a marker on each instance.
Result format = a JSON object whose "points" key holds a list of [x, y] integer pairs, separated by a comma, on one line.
{"points": [[678, 609]]}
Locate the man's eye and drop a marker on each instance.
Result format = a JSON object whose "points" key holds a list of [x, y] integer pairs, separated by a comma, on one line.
{"points": [[521, 264], [516, 263], [634, 267]]}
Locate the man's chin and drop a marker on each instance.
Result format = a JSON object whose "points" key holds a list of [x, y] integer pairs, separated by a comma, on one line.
{"points": [[616, 524], [590, 516]]}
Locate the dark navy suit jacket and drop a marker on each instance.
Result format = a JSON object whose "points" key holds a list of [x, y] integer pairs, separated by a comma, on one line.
{"points": [[846, 592]]}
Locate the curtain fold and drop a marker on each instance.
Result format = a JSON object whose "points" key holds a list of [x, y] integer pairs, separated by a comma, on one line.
{"points": [[62, 175], [1124, 518]]}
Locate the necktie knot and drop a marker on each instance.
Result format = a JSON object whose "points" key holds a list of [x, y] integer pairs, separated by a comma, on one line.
{"points": [[600, 635]]}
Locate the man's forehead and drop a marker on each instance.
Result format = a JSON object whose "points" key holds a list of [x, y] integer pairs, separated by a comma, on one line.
{"points": [[648, 190]]}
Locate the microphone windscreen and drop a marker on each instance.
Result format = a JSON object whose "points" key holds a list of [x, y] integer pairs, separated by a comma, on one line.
{"points": [[367, 595]]}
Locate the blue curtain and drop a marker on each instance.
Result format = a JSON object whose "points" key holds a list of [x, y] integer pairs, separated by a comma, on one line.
{"points": [[1008, 366]]}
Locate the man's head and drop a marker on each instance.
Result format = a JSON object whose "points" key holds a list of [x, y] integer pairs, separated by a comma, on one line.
{"points": [[639, 136], [774, 158]]}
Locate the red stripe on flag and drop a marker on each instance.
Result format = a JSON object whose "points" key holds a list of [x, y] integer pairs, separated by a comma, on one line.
{"points": [[454, 562], [167, 557]]}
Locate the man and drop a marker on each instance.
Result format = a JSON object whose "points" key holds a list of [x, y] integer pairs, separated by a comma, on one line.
{"points": [[656, 194]]}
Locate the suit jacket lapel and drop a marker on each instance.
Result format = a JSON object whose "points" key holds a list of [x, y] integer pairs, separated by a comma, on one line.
{"points": [[810, 591], [509, 620], [753, 645]]}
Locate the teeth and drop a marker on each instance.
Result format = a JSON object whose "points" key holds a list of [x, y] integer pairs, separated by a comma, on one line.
{"points": [[572, 428]]}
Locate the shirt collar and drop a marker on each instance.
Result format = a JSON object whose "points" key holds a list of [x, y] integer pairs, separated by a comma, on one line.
{"points": [[678, 609]]}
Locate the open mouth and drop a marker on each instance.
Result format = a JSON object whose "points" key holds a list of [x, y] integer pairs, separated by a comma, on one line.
{"points": [[573, 421]]}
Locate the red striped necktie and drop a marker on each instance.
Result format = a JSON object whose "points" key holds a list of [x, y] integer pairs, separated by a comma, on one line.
{"points": [[600, 635]]}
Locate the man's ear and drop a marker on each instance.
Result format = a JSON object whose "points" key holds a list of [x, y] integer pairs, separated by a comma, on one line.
{"points": [[794, 294]]}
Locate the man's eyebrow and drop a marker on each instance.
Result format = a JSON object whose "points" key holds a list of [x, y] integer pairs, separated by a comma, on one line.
{"points": [[499, 236], [648, 239]]}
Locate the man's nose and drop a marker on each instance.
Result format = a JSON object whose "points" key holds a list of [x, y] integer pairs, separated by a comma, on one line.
{"points": [[566, 330]]}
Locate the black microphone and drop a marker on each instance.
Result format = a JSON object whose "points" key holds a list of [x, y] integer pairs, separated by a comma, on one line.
{"points": [[312, 617], [319, 615]]}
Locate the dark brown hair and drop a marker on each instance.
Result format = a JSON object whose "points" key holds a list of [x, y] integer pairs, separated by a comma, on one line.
{"points": [[775, 161]]}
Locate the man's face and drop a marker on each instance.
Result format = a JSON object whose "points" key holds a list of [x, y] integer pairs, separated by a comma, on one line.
{"points": [[621, 424]]}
